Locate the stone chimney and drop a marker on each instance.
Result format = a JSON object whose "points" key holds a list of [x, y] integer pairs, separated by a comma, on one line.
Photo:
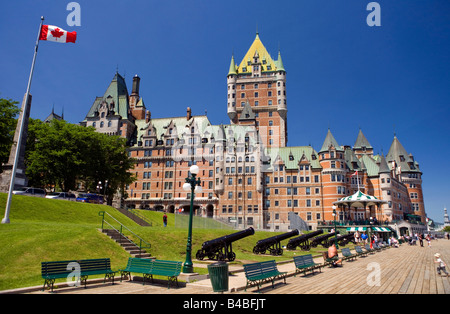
{"points": [[136, 82], [188, 114], [148, 116]]}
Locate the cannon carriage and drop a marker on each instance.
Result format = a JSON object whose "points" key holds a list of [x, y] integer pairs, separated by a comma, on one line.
{"points": [[273, 244], [303, 241], [221, 248]]}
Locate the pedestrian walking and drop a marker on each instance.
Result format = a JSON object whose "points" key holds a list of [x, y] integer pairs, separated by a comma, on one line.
{"points": [[165, 220], [428, 240], [441, 265]]}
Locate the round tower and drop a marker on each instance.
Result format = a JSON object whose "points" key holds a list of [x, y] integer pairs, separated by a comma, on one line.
{"points": [[231, 84]]}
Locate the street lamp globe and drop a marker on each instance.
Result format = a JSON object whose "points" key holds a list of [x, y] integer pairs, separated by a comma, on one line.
{"points": [[187, 187], [194, 169], [198, 189]]}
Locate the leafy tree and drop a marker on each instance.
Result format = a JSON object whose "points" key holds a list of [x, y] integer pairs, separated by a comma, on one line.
{"points": [[61, 154], [8, 112]]}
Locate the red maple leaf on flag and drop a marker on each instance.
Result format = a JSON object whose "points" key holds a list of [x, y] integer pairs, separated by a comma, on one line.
{"points": [[57, 33]]}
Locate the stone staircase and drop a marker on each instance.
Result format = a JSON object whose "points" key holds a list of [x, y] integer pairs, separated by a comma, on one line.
{"points": [[126, 244]]}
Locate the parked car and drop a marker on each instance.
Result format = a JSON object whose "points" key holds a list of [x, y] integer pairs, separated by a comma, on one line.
{"points": [[62, 196], [90, 198], [30, 191]]}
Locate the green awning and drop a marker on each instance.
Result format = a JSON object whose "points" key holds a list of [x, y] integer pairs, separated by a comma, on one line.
{"points": [[360, 229], [381, 229]]}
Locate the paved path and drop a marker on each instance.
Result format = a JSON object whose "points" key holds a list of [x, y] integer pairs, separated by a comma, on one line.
{"points": [[404, 270]]}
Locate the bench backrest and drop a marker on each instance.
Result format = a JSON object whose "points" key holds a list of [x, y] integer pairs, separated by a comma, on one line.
{"points": [[139, 263], [95, 264], [303, 260], [358, 249], [261, 268], [269, 267], [367, 246], [253, 269], [346, 251], [166, 267], [59, 268]]}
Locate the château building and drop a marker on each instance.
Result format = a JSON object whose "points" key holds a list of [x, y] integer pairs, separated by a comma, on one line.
{"points": [[248, 173]]}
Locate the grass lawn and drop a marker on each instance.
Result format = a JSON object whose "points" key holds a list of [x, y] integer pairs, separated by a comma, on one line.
{"points": [[52, 230]]}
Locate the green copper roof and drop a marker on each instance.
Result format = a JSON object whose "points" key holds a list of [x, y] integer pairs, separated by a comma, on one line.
{"points": [[279, 63], [292, 156], [116, 92], [398, 154], [232, 70], [330, 141], [361, 141]]}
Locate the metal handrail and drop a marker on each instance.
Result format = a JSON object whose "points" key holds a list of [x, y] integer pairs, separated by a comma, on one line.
{"points": [[122, 227]]}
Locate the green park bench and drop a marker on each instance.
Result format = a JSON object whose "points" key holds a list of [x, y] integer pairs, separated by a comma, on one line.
{"points": [[360, 251], [347, 254], [369, 249], [303, 263], [261, 272], [148, 268], [50, 271]]}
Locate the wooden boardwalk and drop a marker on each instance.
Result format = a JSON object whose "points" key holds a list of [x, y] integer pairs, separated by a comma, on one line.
{"points": [[404, 270]]}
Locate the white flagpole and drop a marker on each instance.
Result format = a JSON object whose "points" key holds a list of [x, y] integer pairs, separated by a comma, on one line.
{"points": [[5, 220], [357, 179]]}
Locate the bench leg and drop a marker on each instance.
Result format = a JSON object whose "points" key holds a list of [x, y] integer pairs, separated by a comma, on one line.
{"points": [[49, 283], [110, 277], [125, 273], [83, 278]]}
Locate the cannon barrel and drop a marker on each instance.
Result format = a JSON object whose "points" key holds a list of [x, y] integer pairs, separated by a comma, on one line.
{"points": [[273, 243], [342, 239], [229, 238], [322, 239], [303, 240], [221, 248]]}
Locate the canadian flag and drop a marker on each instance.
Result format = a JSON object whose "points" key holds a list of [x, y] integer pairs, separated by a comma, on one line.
{"points": [[54, 33], [356, 173]]}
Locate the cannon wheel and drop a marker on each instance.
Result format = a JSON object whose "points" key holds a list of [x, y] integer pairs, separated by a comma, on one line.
{"points": [[305, 247], [199, 255], [280, 251], [220, 256], [231, 256]]}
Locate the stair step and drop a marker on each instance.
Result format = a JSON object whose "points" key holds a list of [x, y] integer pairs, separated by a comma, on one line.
{"points": [[126, 244]]}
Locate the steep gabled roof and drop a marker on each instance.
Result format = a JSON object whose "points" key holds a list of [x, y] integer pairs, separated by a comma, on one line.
{"points": [[268, 64], [361, 141], [398, 154], [330, 141], [116, 92]]}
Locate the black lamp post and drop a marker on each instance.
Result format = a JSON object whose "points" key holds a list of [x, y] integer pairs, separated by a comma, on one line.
{"points": [[193, 185]]}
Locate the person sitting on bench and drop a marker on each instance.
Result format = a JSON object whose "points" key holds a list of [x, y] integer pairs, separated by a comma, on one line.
{"points": [[333, 255]]}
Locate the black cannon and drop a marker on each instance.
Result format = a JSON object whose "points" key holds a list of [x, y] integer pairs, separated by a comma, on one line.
{"points": [[273, 243], [342, 239], [322, 240], [220, 248], [303, 241]]}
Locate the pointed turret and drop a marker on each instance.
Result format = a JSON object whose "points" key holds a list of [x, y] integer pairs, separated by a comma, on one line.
{"points": [[384, 168], [330, 141], [362, 145], [279, 63], [232, 70]]}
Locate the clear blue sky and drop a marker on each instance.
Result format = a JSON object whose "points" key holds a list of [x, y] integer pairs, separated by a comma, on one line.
{"points": [[341, 73]]}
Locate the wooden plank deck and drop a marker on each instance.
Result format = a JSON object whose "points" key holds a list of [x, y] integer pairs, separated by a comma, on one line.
{"points": [[404, 270]]}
